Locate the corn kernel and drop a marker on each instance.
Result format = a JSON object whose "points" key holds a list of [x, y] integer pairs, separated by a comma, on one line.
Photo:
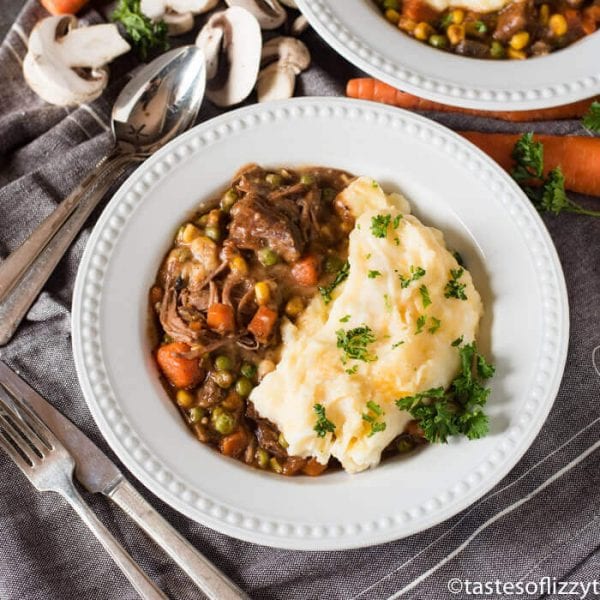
{"points": [[423, 31], [519, 40], [558, 25], [294, 306], [544, 14], [262, 290], [458, 16], [406, 24], [239, 265], [184, 399], [393, 16], [456, 34], [189, 233], [214, 217], [516, 54]]}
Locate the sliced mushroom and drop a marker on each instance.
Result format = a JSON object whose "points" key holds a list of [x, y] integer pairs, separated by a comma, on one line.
{"points": [[177, 14], [269, 13], [289, 3], [66, 65], [277, 80], [231, 42], [299, 26]]}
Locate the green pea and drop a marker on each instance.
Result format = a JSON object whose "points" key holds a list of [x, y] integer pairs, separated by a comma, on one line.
{"points": [[229, 198], [268, 257], [223, 379], [195, 414], [213, 232], [248, 370], [404, 445], [333, 263], [497, 50], [282, 441], [203, 220], [262, 458], [275, 465], [274, 179], [393, 4], [222, 421], [223, 363], [243, 386], [307, 179], [438, 41]]}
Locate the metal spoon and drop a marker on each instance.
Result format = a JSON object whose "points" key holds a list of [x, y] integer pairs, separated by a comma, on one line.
{"points": [[161, 101]]}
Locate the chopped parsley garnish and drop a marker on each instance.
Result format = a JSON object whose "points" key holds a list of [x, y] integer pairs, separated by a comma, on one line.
{"points": [[396, 221], [459, 409], [415, 273], [341, 276], [446, 20], [425, 296], [144, 33], [373, 274], [352, 370], [591, 120], [455, 289], [394, 346], [374, 184], [480, 27], [379, 225], [387, 303], [323, 425], [354, 343], [368, 256], [436, 325], [345, 319], [458, 341], [420, 324], [459, 259], [376, 426], [547, 193]]}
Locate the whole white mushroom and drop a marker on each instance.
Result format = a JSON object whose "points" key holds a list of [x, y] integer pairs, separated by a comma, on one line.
{"points": [[177, 14]]}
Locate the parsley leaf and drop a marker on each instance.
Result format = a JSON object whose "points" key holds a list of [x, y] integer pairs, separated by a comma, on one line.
{"points": [[345, 319], [341, 276], [446, 20], [396, 221], [144, 33], [455, 289], [354, 343], [459, 259], [459, 409], [436, 325], [420, 324], [458, 341], [415, 273], [395, 345], [323, 425], [387, 303], [480, 27], [591, 120], [379, 225], [376, 426], [373, 274], [425, 296], [529, 158]]}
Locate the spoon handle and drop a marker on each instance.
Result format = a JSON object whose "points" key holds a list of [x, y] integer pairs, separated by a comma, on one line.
{"points": [[24, 273]]}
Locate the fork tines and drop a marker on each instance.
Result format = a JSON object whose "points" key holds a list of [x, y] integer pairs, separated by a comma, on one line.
{"points": [[23, 436]]}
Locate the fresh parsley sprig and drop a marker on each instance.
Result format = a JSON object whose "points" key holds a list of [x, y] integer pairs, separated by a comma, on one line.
{"points": [[144, 33], [323, 425], [341, 276], [454, 288], [459, 409], [354, 343], [415, 274], [372, 417], [591, 120], [547, 193]]}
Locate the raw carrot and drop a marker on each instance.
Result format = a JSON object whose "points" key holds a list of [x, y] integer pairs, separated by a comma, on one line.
{"points": [[180, 371], [220, 317], [313, 467], [372, 89], [262, 323], [234, 444], [306, 270], [577, 156], [63, 7]]}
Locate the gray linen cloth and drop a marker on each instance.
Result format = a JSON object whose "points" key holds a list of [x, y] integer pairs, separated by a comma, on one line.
{"points": [[543, 519]]}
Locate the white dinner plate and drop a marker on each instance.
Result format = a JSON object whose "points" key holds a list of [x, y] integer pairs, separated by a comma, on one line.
{"points": [[358, 31], [452, 186]]}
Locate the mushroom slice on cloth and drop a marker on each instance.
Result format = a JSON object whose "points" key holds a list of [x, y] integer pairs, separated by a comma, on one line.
{"points": [[269, 13], [231, 42], [278, 79], [66, 65], [177, 14]]}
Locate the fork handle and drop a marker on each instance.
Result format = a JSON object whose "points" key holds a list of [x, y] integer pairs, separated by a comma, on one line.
{"points": [[215, 584], [140, 581]]}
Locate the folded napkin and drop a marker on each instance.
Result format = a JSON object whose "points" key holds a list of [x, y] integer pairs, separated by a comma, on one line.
{"points": [[541, 520]]}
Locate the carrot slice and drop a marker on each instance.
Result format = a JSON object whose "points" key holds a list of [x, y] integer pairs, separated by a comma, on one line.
{"points": [[377, 91], [577, 156], [262, 323], [63, 7], [221, 318], [234, 444], [313, 468], [180, 371], [418, 11], [306, 271]]}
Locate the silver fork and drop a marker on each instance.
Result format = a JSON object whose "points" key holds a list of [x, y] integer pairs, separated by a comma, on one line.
{"points": [[49, 467]]}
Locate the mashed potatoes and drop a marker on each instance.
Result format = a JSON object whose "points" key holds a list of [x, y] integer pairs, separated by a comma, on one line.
{"points": [[480, 6], [395, 288]]}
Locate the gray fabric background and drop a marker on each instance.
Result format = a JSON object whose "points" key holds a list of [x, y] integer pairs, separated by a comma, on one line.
{"points": [[542, 520]]}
